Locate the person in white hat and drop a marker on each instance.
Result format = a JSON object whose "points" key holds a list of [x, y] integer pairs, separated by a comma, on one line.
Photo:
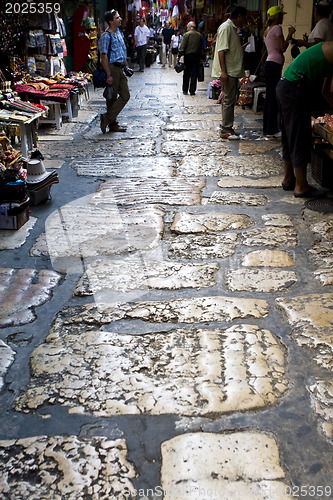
{"points": [[276, 45]]}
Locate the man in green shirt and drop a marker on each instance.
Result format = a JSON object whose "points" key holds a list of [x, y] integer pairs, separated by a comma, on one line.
{"points": [[228, 66], [308, 75], [192, 48]]}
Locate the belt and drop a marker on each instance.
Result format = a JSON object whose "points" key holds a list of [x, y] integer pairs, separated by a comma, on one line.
{"points": [[297, 84], [118, 64]]}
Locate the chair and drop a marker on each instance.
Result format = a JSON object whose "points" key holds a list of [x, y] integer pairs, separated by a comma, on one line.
{"points": [[256, 92]]}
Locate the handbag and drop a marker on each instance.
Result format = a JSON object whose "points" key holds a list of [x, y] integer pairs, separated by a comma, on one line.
{"points": [[201, 73], [99, 75], [179, 67]]}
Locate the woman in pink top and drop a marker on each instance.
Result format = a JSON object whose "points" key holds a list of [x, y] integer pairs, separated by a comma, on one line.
{"points": [[276, 45]]}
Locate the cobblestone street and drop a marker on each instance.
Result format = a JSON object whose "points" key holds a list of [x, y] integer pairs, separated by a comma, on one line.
{"points": [[167, 317]]}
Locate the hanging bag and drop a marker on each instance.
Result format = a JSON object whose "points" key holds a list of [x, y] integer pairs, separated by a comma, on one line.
{"points": [[99, 75]]}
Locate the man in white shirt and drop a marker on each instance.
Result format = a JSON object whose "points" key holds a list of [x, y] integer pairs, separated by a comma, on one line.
{"points": [[228, 66], [141, 39]]}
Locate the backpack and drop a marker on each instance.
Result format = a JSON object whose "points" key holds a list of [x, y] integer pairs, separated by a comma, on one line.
{"points": [[99, 76]]}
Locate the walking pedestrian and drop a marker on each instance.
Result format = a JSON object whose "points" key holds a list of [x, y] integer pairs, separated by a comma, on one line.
{"points": [[309, 73], [141, 40], [113, 52], [174, 46], [192, 49], [228, 66], [276, 45], [167, 33]]}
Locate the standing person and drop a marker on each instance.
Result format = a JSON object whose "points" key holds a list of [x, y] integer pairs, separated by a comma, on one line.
{"points": [[192, 49], [276, 45], [167, 33], [113, 52], [306, 75], [228, 66], [141, 40], [323, 30], [174, 46]]}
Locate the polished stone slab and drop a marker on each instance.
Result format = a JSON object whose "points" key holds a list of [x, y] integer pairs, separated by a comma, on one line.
{"points": [[260, 280], [144, 274], [81, 230], [203, 246], [168, 191], [235, 198], [197, 371], [21, 290], [185, 222], [268, 258], [226, 466], [70, 467], [311, 319]]}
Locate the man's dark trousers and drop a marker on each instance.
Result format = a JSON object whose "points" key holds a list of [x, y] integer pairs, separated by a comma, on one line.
{"points": [[190, 76]]}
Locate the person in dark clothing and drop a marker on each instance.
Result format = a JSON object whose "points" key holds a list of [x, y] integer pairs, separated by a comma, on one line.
{"points": [[310, 71], [167, 33], [192, 48]]}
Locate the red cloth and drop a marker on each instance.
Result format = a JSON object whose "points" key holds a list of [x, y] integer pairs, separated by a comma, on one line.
{"points": [[45, 95]]}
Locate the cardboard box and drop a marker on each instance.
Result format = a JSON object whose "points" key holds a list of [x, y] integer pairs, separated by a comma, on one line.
{"points": [[12, 221]]}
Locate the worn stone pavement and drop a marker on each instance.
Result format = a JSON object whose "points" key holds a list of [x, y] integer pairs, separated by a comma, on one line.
{"points": [[166, 319]]}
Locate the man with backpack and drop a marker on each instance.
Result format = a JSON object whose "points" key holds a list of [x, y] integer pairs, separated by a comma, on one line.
{"points": [[113, 53]]}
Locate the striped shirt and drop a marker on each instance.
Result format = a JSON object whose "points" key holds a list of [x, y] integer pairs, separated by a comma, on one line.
{"points": [[118, 51]]}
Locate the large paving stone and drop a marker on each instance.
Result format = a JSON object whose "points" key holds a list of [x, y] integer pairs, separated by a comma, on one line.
{"points": [[185, 222], [102, 148], [270, 236], [255, 147], [127, 275], [239, 465], [324, 228], [7, 356], [321, 255], [311, 319], [203, 246], [235, 198], [10, 239], [182, 148], [65, 467], [260, 280], [155, 166], [21, 290], [267, 258], [192, 136], [256, 167], [243, 182], [80, 230], [197, 372], [168, 191], [321, 392], [200, 124]]}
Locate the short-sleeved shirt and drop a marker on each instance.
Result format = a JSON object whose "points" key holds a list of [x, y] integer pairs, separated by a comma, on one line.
{"points": [[167, 34], [274, 53], [228, 40], [310, 64], [322, 31], [118, 51], [142, 33]]}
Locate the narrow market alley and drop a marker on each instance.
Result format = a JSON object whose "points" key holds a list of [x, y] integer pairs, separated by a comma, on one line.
{"points": [[166, 318]]}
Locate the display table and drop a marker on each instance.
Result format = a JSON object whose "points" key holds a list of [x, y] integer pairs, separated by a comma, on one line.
{"points": [[322, 158], [51, 98], [27, 129]]}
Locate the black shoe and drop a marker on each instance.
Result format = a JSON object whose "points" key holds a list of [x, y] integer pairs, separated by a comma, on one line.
{"points": [[192, 93], [103, 124]]}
